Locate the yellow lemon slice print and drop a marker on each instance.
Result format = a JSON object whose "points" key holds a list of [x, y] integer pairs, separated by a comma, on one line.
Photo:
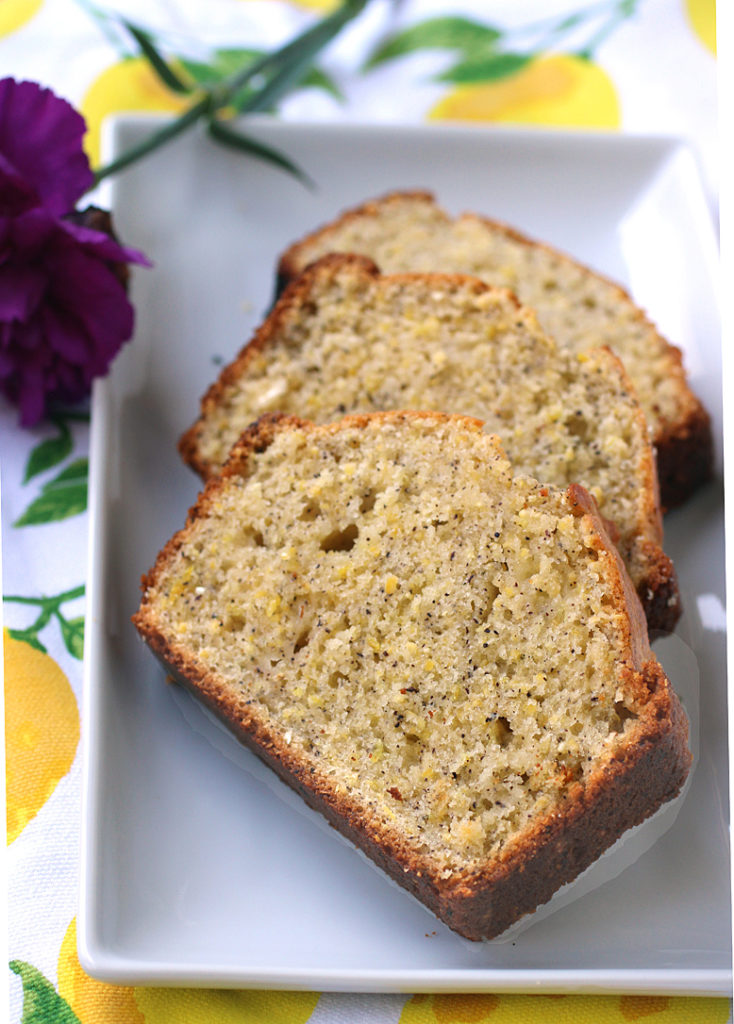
{"points": [[559, 90], [41, 731], [579, 1009], [702, 16], [317, 5], [126, 87], [93, 1001], [222, 1006], [14, 13]]}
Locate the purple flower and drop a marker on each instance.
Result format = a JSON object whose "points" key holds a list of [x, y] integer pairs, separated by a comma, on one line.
{"points": [[64, 311]]}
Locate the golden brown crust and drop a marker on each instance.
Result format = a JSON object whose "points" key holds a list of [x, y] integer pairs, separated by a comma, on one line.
{"points": [[292, 262], [685, 447], [636, 777], [583, 504], [636, 781], [685, 457], [642, 775], [657, 588]]}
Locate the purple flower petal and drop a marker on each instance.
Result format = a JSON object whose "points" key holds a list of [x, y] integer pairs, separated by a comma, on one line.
{"points": [[64, 311], [90, 290], [16, 195], [105, 248], [41, 139], [66, 336], [21, 290], [32, 232]]}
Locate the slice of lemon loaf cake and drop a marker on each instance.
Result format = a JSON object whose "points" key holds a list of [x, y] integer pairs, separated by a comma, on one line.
{"points": [[580, 309], [345, 339], [449, 662]]}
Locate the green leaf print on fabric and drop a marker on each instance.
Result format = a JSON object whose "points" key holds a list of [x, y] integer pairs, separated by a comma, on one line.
{"points": [[484, 69], [226, 62], [72, 630], [487, 53], [49, 453], [63, 496], [442, 33], [41, 1002]]}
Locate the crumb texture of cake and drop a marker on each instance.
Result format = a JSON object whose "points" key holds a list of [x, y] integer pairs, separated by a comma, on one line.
{"points": [[446, 660], [345, 339], [578, 308]]}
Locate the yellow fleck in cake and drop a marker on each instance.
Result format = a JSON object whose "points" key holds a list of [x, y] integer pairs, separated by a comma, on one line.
{"points": [[447, 661], [580, 309], [345, 339]]}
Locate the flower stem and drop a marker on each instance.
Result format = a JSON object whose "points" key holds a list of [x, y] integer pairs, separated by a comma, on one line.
{"points": [[47, 602], [291, 60], [152, 142], [282, 69], [72, 630]]}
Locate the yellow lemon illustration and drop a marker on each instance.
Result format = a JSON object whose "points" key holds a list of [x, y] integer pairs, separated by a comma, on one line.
{"points": [[314, 5], [41, 731], [93, 1001], [702, 16], [559, 90], [126, 87], [222, 1006], [577, 1009], [14, 13]]}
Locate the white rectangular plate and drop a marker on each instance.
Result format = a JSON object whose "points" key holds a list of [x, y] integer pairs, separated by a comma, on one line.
{"points": [[198, 866]]}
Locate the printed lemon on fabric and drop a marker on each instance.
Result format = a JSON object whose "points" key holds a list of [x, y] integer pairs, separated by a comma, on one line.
{"points": [[41, 731], [222, 1006], [15, 13], [316, 5], [561, 1009], [95, 1002], [702, 17], [129, 86], [559, 90]]}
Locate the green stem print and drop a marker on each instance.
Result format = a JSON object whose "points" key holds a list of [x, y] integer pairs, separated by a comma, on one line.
{"points": [[42, 1004], [72, 629], [65, 494], [485, 53]]}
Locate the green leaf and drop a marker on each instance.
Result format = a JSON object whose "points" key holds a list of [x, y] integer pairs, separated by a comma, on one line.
{"points": [[27, 637], [72, 632], [484, 69], [230, 137], [318, 79], [156, 60], [223, 64], [41, 1002], [443, 33], [49, 453], [227, 62], [60, 498], [155, 140], [246, 99], [55, 505], [76, 472]]}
